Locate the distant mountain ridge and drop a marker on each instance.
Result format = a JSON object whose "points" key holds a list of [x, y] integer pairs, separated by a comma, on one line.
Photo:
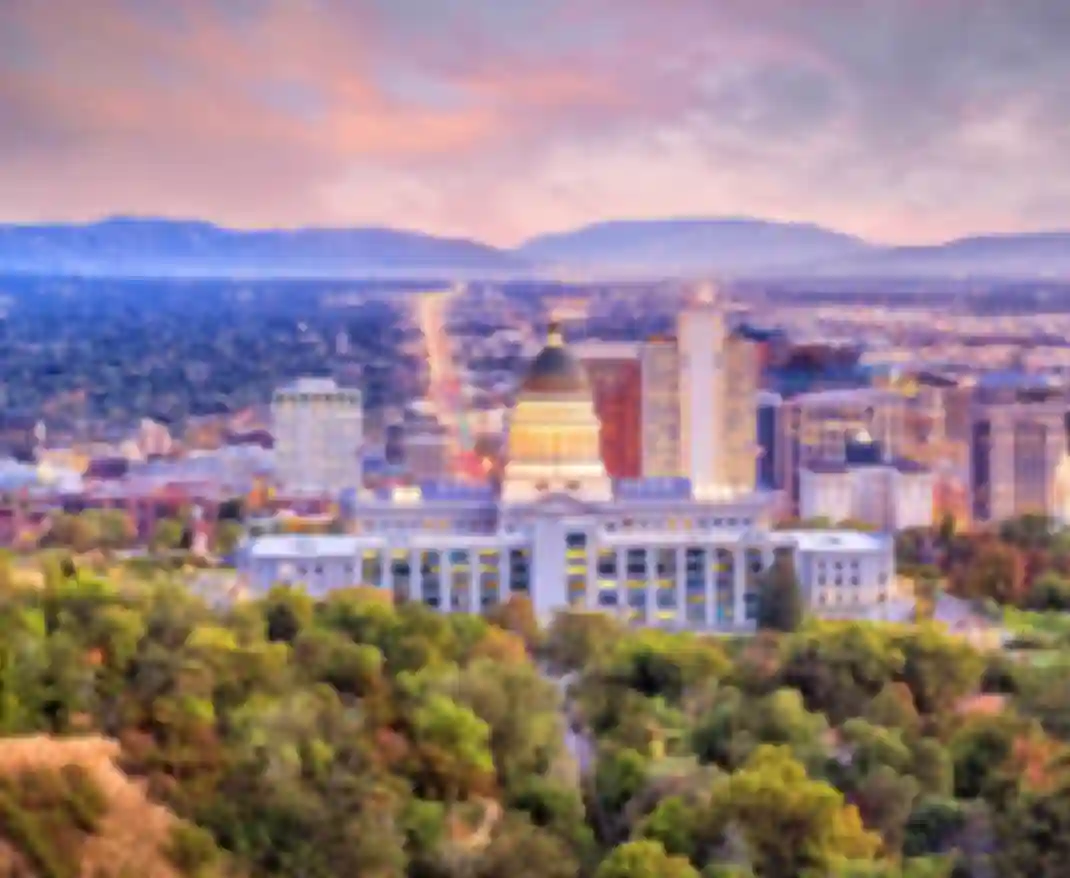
{"points": [[739, 246], [132, 245], [730, 245]]}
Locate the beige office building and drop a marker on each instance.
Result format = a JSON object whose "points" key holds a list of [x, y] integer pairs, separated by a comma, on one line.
{"points": [[1017, 442]]}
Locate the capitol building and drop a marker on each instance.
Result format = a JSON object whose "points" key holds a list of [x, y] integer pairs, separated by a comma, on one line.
{"points": [[557, 528]]}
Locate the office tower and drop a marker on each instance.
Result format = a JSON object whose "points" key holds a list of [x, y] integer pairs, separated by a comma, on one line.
{"points": [[394, 444], [768, 414], [701, 343], [739, 423], [1017, 440], [615, 373], [817, 427], [661, 408], [318, 429]]}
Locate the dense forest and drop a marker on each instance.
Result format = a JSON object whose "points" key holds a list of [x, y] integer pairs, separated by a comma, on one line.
{"points": [[351, 737]]}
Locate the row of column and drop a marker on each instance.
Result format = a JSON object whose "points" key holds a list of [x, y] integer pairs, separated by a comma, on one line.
{"points": [[709, 556], [445, 575], [502, 577]]}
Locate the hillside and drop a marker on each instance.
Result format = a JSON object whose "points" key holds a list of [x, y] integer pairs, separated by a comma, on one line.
{"points": [[744, 247], [125, 246], [126, 837], [689, 246], [1026, 255]]}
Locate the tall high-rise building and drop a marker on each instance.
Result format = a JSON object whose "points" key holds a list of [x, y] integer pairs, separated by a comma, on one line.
{"points": [[768, 420], [818, 426], [615, 373], [660, 408], [701, 342], [741, 386], [1017, 441], [318, 429]]}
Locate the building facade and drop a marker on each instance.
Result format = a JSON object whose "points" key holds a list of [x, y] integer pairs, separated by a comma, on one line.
{"points": [[318, 429], [1017, 441], [615, 372], [559, 530], [888, 496], [661, 447], [818, 427]]}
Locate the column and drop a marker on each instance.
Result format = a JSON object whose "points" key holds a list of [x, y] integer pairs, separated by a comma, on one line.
{"points": [[649, 590], [475, 593], [710, 608], [739, 587], [591, 600], [386, 573], [445, 585], [623, 607], [504, 570], [416, 584], [681, 587]]}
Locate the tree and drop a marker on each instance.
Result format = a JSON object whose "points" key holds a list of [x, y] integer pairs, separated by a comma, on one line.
{"points": [[938, 668], [780, 603], [1033, 838], [644, 859], [578, 639], [168, 535], [790, 822], [521, 850], [7, 574], [453, 747], [997, 571], [115, 527], [1050, 591], [228, 534], [517, 615]]}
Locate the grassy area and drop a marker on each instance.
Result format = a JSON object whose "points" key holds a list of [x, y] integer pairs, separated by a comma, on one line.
{"points": [[1038, 631]]}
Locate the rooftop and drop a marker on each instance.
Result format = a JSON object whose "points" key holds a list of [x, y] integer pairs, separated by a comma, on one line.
{"points": [[836, 540], [304, 546], [313, 384]]}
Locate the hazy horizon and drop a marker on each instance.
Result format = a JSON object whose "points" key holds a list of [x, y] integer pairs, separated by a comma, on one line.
{"points": [[901, 123]]}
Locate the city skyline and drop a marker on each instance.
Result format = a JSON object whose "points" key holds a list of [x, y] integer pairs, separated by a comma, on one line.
{"points": [[900, 122]]}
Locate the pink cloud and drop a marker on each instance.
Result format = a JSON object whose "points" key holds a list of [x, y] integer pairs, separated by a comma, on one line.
{"points": [[809, 111]]}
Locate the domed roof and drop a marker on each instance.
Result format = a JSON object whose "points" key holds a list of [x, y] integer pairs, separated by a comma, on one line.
{"points": [[554, 370]]}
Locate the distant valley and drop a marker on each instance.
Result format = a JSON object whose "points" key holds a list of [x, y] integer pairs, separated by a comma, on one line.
{"points": [[729, 247]]}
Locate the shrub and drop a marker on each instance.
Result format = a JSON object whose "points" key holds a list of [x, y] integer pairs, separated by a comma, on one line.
{"points": [[85, 802], [191, 849], [22, 830]]}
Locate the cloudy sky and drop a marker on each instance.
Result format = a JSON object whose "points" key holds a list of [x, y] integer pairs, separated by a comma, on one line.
{"points": [[900, 120]]}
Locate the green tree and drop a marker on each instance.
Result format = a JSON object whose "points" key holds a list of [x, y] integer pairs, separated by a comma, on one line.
{"points": [[780, 602], [453, 745], [644, 859], [790, 822], [938, 668], [167, 536], [1033, 837], [522, 850], [228, 534]]}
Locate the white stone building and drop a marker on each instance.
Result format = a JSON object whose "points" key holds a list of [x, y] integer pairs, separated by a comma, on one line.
{"points": [[318, 429], [558, 530]]}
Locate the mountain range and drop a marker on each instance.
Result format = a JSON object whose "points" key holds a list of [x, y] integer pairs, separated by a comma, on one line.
{"points": [[733, 247]]}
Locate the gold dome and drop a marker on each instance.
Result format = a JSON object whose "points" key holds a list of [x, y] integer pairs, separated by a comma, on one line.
{"points": [[555, 371]]}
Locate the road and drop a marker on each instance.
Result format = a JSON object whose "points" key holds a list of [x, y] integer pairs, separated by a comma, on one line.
{"points": [[580, 745]]}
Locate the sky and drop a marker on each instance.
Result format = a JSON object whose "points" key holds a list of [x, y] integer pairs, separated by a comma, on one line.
{"points": [[898, 120]]}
